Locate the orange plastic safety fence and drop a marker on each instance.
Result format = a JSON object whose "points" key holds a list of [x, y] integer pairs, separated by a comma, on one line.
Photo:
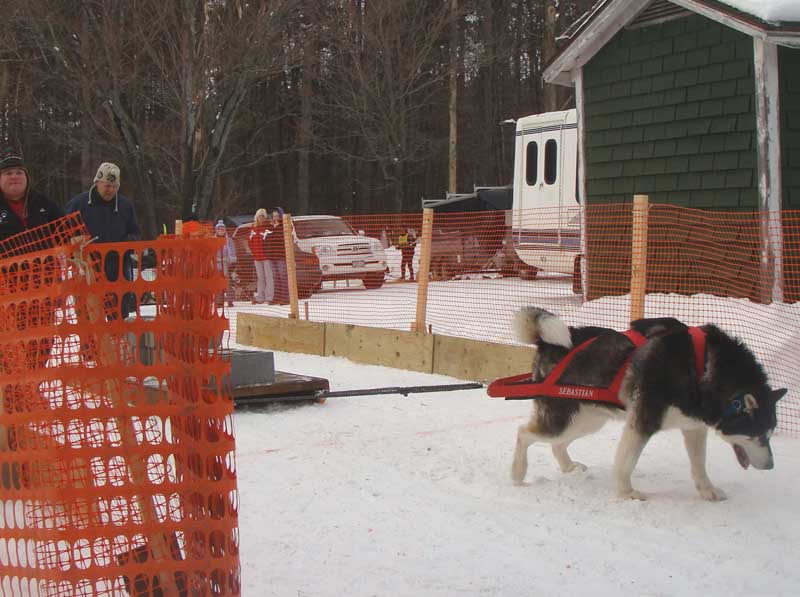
{"points": [[53, 234], [720, 267], [117, 459]]}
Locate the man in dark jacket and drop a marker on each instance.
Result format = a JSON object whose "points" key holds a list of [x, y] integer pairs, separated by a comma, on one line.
{"points": [[110, 218], [21, 207]]}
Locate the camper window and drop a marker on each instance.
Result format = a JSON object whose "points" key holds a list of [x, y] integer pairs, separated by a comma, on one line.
{"points": [[550, 161], [532, 163]]}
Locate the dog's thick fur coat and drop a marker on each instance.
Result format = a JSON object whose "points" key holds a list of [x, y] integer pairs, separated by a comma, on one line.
{"points": [[660, 390]]}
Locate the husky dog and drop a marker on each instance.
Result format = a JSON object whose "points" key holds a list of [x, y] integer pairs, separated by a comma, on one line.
{"points": [[660, 390]]}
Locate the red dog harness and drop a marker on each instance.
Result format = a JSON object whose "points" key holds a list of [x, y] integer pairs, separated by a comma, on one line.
{"points": [[520, 387]]}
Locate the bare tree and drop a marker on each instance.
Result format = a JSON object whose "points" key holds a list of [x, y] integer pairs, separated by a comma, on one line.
{"points": [[452, 185], [225, 106], [168, 78], [386, 73]]}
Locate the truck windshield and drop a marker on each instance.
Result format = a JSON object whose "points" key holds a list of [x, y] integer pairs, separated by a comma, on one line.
{"points": [[322, 227]]}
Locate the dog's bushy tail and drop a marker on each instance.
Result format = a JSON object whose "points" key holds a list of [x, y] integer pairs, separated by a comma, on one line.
{"points": [[532, 324]]}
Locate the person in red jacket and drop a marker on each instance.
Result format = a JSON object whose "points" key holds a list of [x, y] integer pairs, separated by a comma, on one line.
{"points": [[258, 247], [276, 253]]}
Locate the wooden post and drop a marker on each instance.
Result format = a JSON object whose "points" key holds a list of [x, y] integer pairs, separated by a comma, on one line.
{"points": [[423, 271], [639, 256], [768, 143], [291, 267]]}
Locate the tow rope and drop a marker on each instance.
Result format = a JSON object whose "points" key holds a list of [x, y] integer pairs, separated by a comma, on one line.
{"points": [[322, 395]]}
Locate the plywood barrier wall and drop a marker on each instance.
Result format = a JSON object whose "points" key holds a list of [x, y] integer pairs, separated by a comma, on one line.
{"points": [[413, 351], [279, 333], [479, 361]]}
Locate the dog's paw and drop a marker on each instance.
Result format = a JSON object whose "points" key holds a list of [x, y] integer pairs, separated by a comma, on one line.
{"points": [[575, 467], [633, 495], [518, 475], [712, 494], [518, 468]]}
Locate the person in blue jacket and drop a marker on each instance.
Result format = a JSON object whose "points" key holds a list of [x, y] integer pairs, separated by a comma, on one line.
{"points": [[110, 218]]}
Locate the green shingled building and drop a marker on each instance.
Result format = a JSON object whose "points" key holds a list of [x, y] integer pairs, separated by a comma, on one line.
{"points": [[694, 103]]}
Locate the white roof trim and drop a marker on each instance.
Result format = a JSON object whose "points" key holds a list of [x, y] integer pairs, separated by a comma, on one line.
{"points": [[605, 25], [726, 19], [618, 13]]}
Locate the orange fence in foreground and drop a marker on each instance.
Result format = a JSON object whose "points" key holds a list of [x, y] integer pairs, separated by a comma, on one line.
{"points": [[738, 270], [117, 468]]}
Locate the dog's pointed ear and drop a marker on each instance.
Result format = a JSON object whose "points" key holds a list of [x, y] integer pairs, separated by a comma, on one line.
{"points": [[778, 394]]}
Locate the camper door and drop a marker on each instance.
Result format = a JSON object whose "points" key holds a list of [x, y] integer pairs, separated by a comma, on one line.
{"points": [[546, 220]]}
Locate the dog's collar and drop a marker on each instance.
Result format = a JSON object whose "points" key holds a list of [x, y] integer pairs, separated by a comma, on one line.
{"points": [[736, 407]]}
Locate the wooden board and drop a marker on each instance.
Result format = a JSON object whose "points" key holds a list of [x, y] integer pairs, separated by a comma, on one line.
{"points": [[279, 333], [412, 351], [285, 385], [477, 360], [456, 357]]}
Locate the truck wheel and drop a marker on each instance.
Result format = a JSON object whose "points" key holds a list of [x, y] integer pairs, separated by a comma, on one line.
{"points": [[577, 287], [448, 269], [373, 280], [437, 268], [527, 272]]}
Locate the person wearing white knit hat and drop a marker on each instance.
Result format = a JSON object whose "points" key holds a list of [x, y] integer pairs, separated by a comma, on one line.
{"points": [[110, 218]]}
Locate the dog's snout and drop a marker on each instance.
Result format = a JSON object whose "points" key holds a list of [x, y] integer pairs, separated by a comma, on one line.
{"points": [[765, 466], [761, 457]]}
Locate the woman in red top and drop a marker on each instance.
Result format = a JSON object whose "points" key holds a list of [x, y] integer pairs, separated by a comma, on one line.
{"points": [[257, 243]]}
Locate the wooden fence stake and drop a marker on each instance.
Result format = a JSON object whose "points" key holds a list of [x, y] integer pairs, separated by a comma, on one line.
{"points": [[291, 267], [639, 256], [423, 271]]}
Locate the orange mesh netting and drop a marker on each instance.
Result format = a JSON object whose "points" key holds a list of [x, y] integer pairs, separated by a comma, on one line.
{"points": [[116, 440], [53, 234], [702, 267]]}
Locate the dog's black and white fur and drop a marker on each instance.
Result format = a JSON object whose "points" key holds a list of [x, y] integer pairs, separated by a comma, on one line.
{"points": [[660, 390]]}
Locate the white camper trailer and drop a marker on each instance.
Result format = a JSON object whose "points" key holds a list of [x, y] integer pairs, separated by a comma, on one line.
{"points": [[546, 218]]}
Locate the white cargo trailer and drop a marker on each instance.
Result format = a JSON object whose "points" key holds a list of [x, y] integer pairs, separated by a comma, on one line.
{"points": [[546, 218]]}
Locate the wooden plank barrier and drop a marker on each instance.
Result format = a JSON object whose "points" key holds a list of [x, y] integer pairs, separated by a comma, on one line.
{"points": [[278, 333], [461, 358], [464, 358], [412, 351]]}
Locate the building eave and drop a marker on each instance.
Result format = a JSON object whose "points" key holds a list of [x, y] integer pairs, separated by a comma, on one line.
{"points": [[608, 17]]}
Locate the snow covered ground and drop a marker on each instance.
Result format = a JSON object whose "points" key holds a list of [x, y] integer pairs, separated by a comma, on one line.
{"points": [[392, 495], [411, 496]]}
